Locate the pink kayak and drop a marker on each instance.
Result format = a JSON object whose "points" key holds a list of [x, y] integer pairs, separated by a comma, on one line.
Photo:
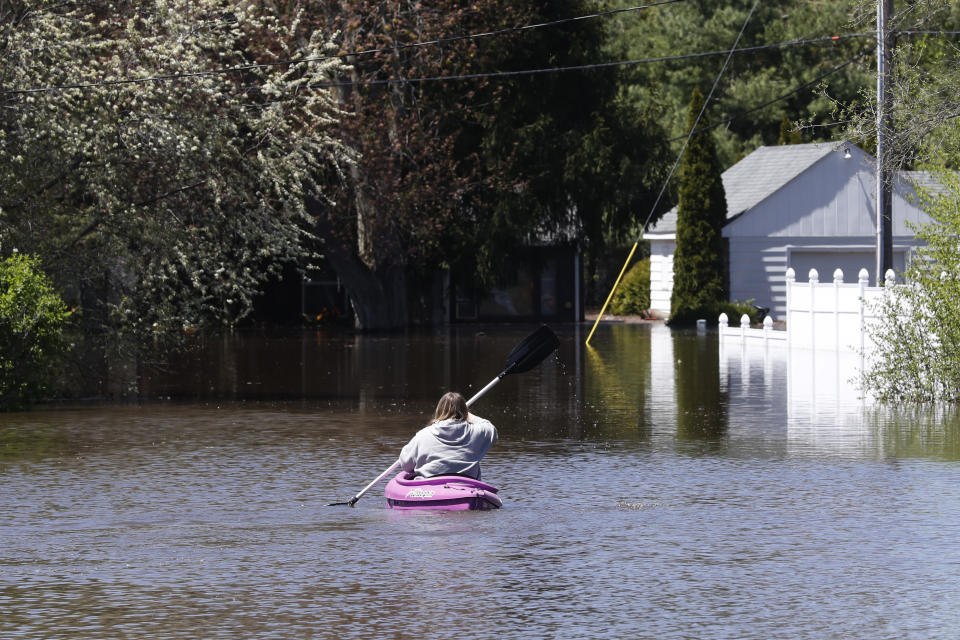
{"points": [[448, 493]]}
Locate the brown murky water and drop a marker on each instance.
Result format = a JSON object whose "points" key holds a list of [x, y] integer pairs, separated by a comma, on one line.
{"points": [[655, 486]]}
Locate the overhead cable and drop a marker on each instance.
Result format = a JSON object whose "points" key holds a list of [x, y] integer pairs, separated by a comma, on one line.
{"points": [[399, 47], [587, 67]]}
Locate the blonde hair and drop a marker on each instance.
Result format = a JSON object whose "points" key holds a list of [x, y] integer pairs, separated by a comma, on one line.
{"points": [[451, 405]]}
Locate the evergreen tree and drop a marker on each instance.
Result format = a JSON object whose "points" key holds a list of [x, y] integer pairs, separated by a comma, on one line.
{"points": [[698, 263]]}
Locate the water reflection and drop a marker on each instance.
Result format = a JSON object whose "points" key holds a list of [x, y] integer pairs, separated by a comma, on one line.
{"points": [[636, 383], [701, 402]]}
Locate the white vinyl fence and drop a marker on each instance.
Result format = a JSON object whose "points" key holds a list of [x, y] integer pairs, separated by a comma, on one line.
{"points": [[820, 315]]}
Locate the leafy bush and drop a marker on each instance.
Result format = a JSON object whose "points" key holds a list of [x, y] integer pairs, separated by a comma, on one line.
{"points": [[735, 310], [917, 332], [32, 318], [633, 295]]}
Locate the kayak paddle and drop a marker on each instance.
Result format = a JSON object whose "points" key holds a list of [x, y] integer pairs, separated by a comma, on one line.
{"points": [[525, 356]]}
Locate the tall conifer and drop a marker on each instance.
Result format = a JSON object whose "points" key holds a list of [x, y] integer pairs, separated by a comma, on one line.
{"points": [[698, 263]]}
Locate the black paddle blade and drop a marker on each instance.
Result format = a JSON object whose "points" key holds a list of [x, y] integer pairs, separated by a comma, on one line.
{"points": [[348, 503], [531, 352]]}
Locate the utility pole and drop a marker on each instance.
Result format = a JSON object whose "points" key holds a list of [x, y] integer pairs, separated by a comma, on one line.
{"points": [[884, 210]]}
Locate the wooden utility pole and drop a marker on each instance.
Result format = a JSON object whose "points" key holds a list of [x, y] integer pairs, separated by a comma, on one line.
{"points": [[884, 129]]}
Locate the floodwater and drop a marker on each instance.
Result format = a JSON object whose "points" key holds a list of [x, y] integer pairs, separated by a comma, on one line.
{"points": [[655, 485]]}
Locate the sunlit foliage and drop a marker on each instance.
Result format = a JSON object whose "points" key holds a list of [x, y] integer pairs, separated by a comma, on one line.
{"points": [[32, 319], [160, 204], [917, 333], [759, 88]]}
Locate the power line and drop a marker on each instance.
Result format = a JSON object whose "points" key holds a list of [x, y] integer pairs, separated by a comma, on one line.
{"points": [[293, 61], [916, 32], [699, 115], [587, 67]]}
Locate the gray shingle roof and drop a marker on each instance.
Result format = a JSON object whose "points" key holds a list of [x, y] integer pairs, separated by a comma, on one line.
{"points": [[758, 176], [923, 180]]}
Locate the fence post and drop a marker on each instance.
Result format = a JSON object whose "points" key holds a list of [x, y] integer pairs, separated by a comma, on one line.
{"points": [[722, 323], [744, 325], [767, 328], [863, 279], [837, 281]]}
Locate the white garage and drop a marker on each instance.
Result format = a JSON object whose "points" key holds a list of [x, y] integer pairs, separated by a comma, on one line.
{"points": [[802, 206]]}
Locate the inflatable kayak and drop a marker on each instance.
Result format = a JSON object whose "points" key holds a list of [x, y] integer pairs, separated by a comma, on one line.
{"points": [[447, 493]]}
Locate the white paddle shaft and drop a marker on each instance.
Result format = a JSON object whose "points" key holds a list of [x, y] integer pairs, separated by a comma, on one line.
{"points": [[372, 484], [484, 390]]}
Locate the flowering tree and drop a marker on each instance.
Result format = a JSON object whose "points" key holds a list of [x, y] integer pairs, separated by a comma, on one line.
{"points": [[159, 188]]}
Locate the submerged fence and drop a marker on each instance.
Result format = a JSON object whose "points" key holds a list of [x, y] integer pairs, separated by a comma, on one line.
{"points": [[820, 315]]}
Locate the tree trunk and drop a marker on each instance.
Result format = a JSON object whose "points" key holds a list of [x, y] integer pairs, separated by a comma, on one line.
{"points": [[378, 296]]}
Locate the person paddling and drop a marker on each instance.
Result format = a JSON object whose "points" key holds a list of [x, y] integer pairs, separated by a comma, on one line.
{"points": [[452, 444]]}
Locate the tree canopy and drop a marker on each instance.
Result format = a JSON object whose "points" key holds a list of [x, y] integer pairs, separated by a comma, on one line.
{"points": [[924, 77], [32, 319], [462, 169]]}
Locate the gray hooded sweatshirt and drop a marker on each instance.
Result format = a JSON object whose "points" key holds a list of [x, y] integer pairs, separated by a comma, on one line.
{"points": [[449, 446]]}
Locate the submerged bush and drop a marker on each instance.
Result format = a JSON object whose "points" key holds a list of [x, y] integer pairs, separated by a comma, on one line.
{"points": [[32, 319], [633, 295]]}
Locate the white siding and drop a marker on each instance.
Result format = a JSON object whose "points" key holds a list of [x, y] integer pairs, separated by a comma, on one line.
{"points": [[661, 275], [822, 219], [833, 198]]}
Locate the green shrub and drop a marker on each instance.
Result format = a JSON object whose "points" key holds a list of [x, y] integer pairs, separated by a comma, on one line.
{"points": [[32, 319], [632, 296], [735, 310]]}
